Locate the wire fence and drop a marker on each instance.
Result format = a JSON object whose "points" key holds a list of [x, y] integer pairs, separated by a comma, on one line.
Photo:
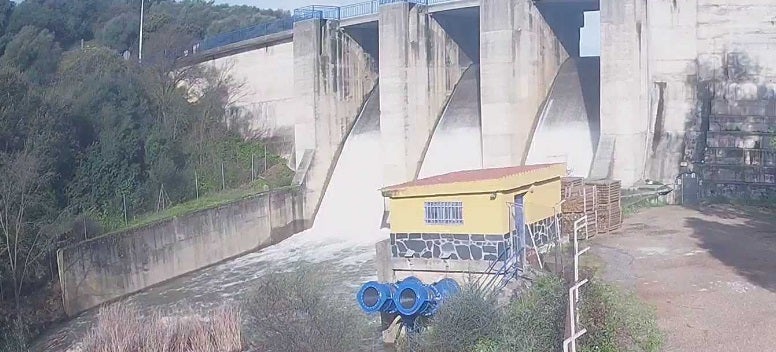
{"points": [[182, 191]]}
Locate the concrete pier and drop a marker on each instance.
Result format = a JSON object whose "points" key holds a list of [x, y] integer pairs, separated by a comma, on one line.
{"points": [[520, 56], [419, 66]]}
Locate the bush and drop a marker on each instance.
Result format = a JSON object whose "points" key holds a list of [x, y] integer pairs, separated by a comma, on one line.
{"points": [[470, 322], [14, 337], [616, 321], [461, 323], [120, 328], [297, 311], [534, 322]]}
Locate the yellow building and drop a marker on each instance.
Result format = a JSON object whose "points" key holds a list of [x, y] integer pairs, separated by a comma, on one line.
{"points": [[471, 215]]}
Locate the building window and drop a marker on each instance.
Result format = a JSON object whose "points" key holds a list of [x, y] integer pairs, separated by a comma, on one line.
{"points": [[444, 213]]}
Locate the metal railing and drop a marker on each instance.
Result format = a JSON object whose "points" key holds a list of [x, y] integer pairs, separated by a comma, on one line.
{"points": [[317, 12], [239, 35], [361, 9], [302, 14], [570, 344]]}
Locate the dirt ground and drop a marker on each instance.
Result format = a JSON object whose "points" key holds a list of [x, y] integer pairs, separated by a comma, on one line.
{"points": [[711, 274]]}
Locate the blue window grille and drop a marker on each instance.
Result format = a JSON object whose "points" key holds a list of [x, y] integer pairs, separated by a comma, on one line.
{"points": [[447, 213]]}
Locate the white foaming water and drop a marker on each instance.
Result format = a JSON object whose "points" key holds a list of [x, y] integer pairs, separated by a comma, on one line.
{"points": [[564, 132], [457, 141], [350, 212], [452, 150]]}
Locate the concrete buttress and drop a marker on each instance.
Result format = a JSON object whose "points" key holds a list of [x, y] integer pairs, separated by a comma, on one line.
{"points": [[420, 65], [333, 76], [519, 58]]}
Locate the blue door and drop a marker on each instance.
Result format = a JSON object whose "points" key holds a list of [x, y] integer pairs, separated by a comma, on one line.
{"points": [[519, 230]]}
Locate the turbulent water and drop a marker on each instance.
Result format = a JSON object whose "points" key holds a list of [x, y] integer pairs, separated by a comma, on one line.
{"points": [[342, 237]]}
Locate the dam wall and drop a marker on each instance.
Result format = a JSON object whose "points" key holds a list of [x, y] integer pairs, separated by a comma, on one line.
{"points": [[664, 62]]}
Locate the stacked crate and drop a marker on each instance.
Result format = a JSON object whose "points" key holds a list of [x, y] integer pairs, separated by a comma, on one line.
{"points": [[579, 200], [609, 206]]}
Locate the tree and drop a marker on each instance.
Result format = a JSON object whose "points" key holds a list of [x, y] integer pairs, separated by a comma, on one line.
{"points": [[6, 8], [34, 52], [120, 32], [24, 234]]}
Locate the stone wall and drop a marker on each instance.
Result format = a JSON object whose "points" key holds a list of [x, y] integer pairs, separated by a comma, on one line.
{"points": [[448, 246], [466, 246], [115, 265]]}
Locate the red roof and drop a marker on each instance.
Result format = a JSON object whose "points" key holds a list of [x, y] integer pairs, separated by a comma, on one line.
{"points": [[469, 176]]}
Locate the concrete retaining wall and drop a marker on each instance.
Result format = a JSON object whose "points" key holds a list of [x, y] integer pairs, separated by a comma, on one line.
{"points": [[265, 95], [112, 266]]}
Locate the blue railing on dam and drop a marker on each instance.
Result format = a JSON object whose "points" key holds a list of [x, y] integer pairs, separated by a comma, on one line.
{"points": [[365, 8], [239, 35]]}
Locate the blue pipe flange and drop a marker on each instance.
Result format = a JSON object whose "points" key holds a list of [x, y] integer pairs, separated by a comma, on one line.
{"points": [[412, 297], [376, 297], [447, 288]]}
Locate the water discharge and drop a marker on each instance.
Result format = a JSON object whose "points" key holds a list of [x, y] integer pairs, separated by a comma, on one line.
{"points": [[457, 143], [567, 130], [342, 237]]}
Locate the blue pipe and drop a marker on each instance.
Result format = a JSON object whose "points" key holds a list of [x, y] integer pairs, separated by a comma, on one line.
{"points": [[376, 297], [409, 298]]}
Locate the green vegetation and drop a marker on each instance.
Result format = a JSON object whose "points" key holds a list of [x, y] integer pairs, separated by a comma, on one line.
{"points": [[298, 310], [617, 321], [633, 205], [93, 141]]}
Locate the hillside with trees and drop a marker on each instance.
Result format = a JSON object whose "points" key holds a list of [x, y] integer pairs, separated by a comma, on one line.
{"points": [[91, 139]]}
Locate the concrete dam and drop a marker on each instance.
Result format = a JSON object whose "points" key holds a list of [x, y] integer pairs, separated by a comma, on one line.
{"points": [[378, 93]]}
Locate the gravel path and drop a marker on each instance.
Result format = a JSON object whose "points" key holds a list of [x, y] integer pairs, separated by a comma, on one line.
{"points": [[711, 274]]}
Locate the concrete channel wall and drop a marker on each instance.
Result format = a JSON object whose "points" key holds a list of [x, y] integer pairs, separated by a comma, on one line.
{"points": [[115, 265]]}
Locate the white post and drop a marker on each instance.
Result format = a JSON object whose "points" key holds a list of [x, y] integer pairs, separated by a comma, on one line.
{"points": [[140, 40], [577, 226], [573, 319], [536, 249]]}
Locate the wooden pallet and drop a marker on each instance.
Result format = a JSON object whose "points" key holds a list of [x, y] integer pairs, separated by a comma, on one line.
{"points": [[580, 199], [609, 217], [569, 184], [607, 190]]}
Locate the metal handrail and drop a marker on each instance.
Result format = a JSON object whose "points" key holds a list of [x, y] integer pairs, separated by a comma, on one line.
{"points": [[251, 32], [360, 9]]}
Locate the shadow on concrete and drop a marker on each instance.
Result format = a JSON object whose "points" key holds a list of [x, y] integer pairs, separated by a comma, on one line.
{"points": [[463, 27], [741, 238], [566, 17], [589, 69]]}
